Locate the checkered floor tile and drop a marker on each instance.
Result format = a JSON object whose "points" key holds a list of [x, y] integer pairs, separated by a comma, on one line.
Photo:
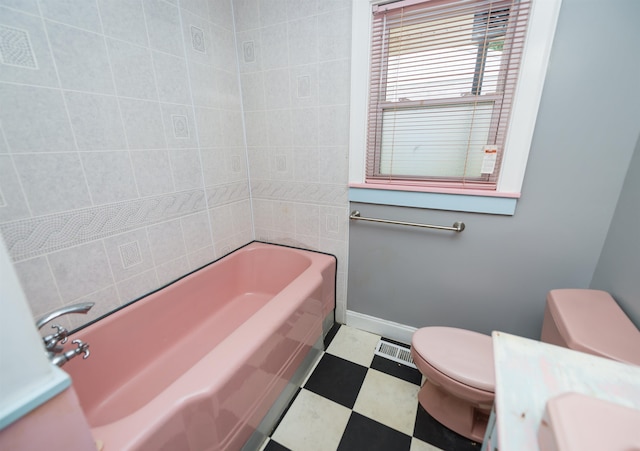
{"points": [[354, 400]]}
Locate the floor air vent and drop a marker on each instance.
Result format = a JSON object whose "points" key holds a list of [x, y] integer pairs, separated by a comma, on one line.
{"points": [[394, 352]]}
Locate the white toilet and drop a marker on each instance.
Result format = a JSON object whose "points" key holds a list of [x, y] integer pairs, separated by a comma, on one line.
{"points": [[458, 364]]}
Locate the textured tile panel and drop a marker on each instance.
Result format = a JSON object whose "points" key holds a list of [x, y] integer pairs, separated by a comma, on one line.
{"points": [[130, 254], [197, 39], [15, 48], [180, 127], [32, 237], [248, 52]]}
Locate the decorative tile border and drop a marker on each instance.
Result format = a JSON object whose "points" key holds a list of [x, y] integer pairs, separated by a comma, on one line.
{"points": [[37, 236], [228, 193], [306, 192]]}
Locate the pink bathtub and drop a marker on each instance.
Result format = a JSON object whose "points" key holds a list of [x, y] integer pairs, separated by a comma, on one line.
{"points": [[197, 364]]}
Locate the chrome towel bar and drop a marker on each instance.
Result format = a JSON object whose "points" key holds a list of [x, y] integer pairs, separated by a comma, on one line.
{"points": [[457, 226]]}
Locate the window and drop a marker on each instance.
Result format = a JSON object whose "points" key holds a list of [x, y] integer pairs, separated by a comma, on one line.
{"points": [[458, 196], [443, 76]]}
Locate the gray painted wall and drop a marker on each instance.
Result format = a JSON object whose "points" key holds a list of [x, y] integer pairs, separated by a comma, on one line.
{"points": [[618, 270], [495, 275]]}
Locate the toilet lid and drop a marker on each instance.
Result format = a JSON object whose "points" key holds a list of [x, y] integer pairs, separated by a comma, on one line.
{"points": [[463, 355]]}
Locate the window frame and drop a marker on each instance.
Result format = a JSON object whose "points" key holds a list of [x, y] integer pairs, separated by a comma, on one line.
{"points": [[535, 58], [498, 118]]}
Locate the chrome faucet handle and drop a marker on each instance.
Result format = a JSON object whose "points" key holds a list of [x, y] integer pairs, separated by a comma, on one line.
{"points": [[62, 333], [82, 347], [61, 359], [51, 341]]}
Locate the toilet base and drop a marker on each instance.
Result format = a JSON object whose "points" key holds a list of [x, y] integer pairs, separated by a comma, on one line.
{"points": [[467, 419]]}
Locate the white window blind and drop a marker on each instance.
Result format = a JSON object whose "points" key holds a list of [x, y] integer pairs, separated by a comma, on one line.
{"points": [[443, 77]]}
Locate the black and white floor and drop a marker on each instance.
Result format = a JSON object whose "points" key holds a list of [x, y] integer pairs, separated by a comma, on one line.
{"points": [[355, 400]]}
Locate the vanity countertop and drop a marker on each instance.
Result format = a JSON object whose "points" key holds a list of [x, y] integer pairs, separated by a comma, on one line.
{"points": [[529, 373]]}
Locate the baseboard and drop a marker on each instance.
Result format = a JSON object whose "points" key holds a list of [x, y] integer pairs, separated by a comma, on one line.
{"points": [[382, 327]]}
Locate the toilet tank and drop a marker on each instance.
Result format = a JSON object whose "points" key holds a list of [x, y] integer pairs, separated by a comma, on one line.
{"points": [[590, 321]]}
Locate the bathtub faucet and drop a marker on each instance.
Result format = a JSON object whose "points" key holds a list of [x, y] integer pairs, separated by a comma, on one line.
{"points": [[53, 342]]}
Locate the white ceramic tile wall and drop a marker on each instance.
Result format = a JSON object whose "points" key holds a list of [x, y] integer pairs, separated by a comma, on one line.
{"points": [[121, 144], [294, 60], [123, 162]]}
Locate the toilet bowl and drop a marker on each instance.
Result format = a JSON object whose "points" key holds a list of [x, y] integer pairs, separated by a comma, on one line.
{"points": [[460, 382], [458, 364]]}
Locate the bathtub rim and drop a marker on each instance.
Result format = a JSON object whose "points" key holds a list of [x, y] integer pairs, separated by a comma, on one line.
{"points": [[139, 298]]}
